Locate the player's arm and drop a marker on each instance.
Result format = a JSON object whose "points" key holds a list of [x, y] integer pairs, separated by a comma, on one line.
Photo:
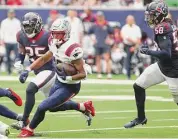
{"points": [[165, 44], [41, 61], [79, 65], [21, 53]]}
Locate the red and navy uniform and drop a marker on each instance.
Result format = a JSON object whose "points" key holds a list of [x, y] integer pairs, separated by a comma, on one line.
{"points": [[167, 31], [36, 47]]}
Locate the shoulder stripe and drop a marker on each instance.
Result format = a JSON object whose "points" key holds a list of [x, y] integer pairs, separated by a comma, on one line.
{"points": [[71, 48]]}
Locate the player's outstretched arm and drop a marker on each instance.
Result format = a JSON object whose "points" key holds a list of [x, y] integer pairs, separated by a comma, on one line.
{"points": [[41, 61]]}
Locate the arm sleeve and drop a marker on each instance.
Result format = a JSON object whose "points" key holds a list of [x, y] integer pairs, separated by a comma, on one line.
{"points": [[165, 45]]}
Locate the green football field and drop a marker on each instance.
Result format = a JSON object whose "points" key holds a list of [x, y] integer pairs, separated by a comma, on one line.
{"points": [[114, 105]]}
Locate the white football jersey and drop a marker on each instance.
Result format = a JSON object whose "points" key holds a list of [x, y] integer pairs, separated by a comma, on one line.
{"points": [[66, 53]]}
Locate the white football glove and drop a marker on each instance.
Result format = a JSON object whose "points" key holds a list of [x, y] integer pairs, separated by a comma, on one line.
{"points": [[18, 66], [87, 69]]}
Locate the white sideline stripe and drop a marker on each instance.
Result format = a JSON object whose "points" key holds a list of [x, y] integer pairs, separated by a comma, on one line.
{"points": [[113, 97], [103, 129], [158, 120], [88, 81], [107, 112]]}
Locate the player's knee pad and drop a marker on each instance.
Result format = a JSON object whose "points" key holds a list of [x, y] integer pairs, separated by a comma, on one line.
{"points": [[32, 88]]}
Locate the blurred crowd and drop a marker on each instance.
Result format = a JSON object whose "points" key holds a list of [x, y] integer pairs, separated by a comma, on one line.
{"points": [[107, 47], [46, 3]]}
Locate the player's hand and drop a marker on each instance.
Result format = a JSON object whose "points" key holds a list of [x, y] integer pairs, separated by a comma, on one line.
{"points": [[144, 49], [87, 68], [18, 66], [23, 76]]}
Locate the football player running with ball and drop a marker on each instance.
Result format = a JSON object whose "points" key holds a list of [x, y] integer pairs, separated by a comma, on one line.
{"points": [[64, 50], [166, 68]]}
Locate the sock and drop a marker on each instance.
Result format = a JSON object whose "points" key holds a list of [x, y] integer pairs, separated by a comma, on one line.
{"points": [[140, 101], [69, 105], [28, 128], [5, 92], [81, 107], [4, 111]]}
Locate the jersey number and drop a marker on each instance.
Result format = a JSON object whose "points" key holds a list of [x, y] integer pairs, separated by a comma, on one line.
{"points": [[34, 52], [159, 30]]}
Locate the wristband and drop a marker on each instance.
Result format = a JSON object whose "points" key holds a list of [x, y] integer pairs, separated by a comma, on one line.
{"points": [[68, 78]]}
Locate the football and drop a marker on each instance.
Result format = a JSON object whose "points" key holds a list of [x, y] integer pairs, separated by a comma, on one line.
{"points": [[68, 68]]}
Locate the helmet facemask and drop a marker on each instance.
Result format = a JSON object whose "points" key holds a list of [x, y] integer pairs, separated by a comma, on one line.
{"points": [[31, 27], [58, 37]]}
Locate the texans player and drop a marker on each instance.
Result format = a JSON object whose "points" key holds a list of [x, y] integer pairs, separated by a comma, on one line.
{"points": [[33, 42], [64, 50], [166, 68]]}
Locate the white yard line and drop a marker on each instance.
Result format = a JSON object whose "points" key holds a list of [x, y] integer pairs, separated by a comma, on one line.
{"points": [[88, 81], [103, 129], [158, 120], [111, 98], [110, 112]]}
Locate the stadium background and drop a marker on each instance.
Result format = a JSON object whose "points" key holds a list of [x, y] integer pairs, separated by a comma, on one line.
{"points": [[114, 99]]}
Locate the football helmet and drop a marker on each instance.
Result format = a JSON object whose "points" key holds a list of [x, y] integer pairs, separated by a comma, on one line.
{"points": [[31, 24], [60, 31], [155, 13]]}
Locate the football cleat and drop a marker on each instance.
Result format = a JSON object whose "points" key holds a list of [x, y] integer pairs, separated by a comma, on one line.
{"points": [[88, 118], [89, 107], [25, 133], [15, 97], [135, 122], [20, 124]]}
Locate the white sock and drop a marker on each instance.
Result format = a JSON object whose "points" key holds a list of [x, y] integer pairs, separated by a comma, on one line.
{"points": [[28, 128], [82, 107]]}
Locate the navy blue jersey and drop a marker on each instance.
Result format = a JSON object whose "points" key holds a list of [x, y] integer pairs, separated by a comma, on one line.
{"points": [[35, 48], [168, 31]]}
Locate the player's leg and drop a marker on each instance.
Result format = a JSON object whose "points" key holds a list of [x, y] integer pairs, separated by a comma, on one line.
{"points": [[86, 108], [8, 63], [12, 95], [151, 76], [98, 61], [36, 84], [107, 58], [4, 111], [173, 86], [60, 93]]}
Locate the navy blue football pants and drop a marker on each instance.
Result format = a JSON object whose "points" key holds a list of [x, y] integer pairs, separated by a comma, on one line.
{"points": [[58, 100], [4, 111]]}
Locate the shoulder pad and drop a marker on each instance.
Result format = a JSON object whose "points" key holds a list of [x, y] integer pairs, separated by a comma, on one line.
{"points": [[74, 51], [163, 28]]}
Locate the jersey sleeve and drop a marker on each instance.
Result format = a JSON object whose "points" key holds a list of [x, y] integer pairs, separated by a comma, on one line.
{"points": [[74, 52]]}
